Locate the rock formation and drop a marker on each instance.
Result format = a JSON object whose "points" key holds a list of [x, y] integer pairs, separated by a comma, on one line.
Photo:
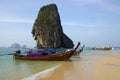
{"points": [[47, 29], [15, 45]]}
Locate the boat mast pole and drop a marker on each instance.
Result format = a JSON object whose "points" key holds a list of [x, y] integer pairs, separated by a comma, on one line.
{"points": [[77, 46]]}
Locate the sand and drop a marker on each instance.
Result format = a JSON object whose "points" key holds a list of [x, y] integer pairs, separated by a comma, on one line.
{"points": [[106, 67]]}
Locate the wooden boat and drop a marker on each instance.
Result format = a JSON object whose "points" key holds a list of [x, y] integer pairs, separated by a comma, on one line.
{"points": [[52, 57], [103, 48], [77, 52]]}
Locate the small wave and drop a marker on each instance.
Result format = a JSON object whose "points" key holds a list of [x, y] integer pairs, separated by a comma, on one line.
{"points": [[33, 77]]}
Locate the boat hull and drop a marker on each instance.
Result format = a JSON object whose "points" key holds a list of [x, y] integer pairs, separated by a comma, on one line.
{"points": [[53, 57], [105, 48]]}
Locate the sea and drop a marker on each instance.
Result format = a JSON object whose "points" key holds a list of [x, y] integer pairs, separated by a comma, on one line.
{"points": [[14, 69]]}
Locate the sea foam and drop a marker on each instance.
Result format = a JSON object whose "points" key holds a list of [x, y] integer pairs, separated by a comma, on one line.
{"points": [[43, 73]]}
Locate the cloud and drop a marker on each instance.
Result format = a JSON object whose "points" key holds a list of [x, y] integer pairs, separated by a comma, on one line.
{"points": [[15, 20], [78, 24], [100, 3], [88, 1], [86, 25]]}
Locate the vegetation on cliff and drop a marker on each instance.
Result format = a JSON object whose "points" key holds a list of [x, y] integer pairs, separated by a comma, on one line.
{"points": [[47, 29]]}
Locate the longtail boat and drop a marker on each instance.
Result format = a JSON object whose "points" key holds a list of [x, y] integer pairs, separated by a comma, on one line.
{"points": [[77, 52], [49, 57], [104, 48]]}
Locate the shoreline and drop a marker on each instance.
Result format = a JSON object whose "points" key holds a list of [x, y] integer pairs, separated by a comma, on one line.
{"points": [[42, 73], [104, 67]]}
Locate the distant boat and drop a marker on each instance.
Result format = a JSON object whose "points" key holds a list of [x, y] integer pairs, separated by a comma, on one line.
{"points": [[103, 48], [43, 56]]}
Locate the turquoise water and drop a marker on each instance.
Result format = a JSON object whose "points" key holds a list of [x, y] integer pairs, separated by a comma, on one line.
{"points": [[12, 69]]}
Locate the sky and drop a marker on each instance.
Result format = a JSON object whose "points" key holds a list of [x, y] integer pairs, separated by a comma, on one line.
{"points": [[91, 22]]}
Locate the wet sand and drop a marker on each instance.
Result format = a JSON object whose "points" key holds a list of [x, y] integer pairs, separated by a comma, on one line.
{"points": [[101, 66]]}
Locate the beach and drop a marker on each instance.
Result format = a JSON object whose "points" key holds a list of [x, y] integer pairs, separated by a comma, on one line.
{"points": [[99, 65], [90, 65]]}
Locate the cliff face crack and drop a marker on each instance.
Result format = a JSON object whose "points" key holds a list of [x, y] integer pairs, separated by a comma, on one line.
{"points": [[47, 29]]}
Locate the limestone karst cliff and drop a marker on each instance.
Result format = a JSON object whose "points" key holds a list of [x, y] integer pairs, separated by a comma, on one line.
{"points": [[47, 29]]}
